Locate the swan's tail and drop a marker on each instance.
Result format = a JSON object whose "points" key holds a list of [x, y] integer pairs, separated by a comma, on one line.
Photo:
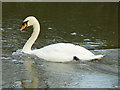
{"points": [[97, 57], [92, 57]]}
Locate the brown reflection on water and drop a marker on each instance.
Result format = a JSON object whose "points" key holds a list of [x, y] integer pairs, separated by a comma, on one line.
{"points": [[31, 75]]}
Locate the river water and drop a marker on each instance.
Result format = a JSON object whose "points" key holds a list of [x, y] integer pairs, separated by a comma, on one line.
{"points": [[91, 25]]}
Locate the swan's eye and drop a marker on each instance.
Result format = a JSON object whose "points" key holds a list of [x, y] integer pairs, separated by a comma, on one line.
{"points": [[24, 23]]}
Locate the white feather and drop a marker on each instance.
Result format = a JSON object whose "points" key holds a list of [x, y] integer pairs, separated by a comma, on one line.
{"points": [[60, 52]]}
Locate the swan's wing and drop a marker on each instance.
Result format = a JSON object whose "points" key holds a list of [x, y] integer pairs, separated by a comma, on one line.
{"points": [[62, 52], [64, 48]]}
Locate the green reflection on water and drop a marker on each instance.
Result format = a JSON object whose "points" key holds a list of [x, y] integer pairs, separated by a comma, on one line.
{"points": [[94, 21]]}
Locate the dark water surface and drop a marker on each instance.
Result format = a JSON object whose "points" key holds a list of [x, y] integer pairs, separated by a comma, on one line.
{"points": [[91, 25]]}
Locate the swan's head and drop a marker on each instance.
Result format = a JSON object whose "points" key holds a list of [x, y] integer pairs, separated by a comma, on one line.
{"points": [[29, 21]]}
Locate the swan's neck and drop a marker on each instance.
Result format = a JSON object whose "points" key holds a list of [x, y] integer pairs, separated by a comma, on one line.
{"points": [[32, 39]]}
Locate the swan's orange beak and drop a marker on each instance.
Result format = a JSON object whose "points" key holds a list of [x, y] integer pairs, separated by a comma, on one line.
{"points": [[23, 27]]}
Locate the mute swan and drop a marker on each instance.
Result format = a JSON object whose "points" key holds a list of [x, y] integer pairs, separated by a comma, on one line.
{"points": [[60, 52]]}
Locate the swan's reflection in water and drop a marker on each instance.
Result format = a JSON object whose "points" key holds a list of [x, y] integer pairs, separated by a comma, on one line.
{"points": [[31, 76]]}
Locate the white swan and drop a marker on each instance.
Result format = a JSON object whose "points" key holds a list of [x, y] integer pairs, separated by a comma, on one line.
{"points": [[60, 52]]}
